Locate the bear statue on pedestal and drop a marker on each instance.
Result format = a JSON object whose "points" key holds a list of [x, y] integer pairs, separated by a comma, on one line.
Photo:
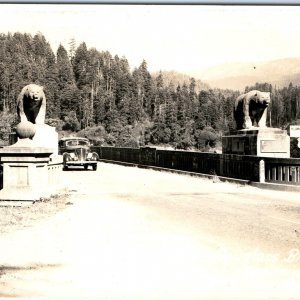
{"points": [[252, 136], [32, 130], [251, 109], [31, 109]]}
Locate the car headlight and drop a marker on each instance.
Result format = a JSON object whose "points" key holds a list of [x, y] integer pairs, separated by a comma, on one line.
{"points": [[73, 156], [89, 156]]}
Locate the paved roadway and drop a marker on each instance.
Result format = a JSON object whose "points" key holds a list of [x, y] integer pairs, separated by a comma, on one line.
{"points": [[142, 234]]}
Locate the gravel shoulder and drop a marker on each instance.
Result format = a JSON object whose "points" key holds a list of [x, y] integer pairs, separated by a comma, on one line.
{"points": [[129, 233]]}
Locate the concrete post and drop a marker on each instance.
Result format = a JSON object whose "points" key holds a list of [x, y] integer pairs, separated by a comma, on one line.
{"points": [[262, 177]]}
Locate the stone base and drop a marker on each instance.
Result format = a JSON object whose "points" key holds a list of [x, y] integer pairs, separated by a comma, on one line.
{"points": [[45, 136], [263, 142], [26, 172]]}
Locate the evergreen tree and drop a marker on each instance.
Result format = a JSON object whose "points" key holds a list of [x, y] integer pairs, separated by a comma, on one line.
{"points": [[193, 101], [65, 69], [72, 49], [67, 90], [276, 108], [80, 65], [50, 83], [181, 112]]}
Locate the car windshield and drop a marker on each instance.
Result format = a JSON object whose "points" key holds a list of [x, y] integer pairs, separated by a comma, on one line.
{"points": [[77, 143]]}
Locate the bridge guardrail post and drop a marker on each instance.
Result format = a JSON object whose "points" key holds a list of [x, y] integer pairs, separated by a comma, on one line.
{"points": [[262, 174]]}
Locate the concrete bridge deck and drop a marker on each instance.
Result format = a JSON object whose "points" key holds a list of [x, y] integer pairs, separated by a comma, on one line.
{"points": [[142, 234]]}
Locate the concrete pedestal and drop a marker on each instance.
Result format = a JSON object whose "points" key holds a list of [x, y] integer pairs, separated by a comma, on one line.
{"points": [[263, 142], [31, 167], [45, 136], [25, 173]]}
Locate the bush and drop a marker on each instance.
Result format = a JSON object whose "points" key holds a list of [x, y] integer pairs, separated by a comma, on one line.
{"points": [[97, 135], [110, 140], [131, 143], [57, 123], [206, 138], [71, 122], [7, 122]]}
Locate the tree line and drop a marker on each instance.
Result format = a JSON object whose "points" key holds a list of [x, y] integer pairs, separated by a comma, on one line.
{"points": [[93, 94]]}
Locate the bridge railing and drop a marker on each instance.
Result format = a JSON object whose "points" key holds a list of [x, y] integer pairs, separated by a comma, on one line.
{"points": [[130, 155], [282, 170], [245, 167], [234, 166]]}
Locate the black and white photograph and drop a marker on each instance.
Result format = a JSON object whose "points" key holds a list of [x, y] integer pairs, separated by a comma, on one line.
{"points": [[149, 151]]}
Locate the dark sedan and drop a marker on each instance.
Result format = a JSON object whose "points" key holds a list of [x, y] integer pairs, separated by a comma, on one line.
{"points": [[76, 152]]}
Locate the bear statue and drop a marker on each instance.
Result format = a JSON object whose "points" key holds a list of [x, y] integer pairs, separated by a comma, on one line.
{"points": [[251, 109], [32, 131], [31, 104]]}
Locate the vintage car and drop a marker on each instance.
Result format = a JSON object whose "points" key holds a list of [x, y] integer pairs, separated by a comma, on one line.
{"points": [[76, 152]]}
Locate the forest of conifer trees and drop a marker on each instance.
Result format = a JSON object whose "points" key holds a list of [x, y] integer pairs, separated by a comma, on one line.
{"points": [[92, 94]]}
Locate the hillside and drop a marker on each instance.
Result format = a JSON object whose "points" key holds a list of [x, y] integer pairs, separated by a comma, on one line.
{"points": [[179, 79], [238, 75]]}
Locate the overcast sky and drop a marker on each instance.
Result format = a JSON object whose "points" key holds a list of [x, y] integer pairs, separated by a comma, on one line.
{"points": [[180, 38]]}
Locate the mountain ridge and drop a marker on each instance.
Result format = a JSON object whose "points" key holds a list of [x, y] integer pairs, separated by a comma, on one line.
{"points": [[178, 78], [237, 76]]}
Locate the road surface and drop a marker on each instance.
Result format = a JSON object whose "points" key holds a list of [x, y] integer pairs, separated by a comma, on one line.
{"points": [[132, 233]]}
